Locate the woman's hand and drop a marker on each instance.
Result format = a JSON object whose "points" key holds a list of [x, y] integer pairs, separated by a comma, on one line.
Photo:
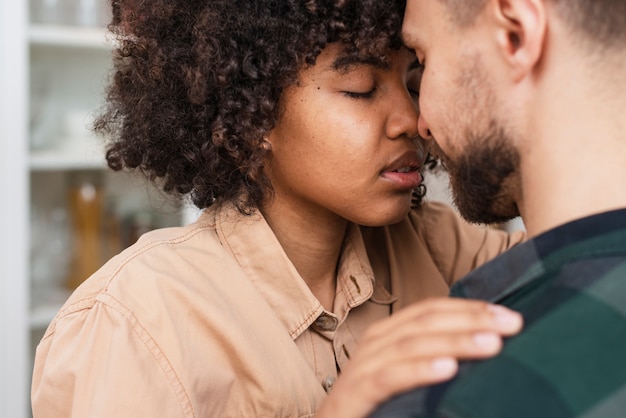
{"points": [[417, 346]]}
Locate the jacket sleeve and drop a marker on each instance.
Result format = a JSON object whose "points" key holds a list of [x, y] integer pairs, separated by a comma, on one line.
{"points": [[95, 361], [458, 247]]}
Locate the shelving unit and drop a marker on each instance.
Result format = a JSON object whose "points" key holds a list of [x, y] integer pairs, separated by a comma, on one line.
{"points": [[52, 78], [14, 289], [68, 69]]}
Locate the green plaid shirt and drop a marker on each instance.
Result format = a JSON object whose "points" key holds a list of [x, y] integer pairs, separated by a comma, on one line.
{"points": [[570, 360]]}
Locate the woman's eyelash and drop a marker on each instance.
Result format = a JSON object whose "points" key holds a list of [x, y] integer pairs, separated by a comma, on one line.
{"points": [[358, 95]]}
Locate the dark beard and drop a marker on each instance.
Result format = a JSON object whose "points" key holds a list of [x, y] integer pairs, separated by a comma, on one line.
{"points": [[482, 177]]}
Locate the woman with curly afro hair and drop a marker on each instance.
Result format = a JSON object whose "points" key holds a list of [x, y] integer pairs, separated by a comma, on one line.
{"points": [[293, 125]]}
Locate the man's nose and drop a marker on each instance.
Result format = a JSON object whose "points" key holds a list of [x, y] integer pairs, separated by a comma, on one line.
{"points": [[423, 128]]}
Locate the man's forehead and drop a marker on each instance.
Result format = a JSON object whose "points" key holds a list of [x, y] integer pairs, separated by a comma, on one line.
{"points": [[416, 20]]}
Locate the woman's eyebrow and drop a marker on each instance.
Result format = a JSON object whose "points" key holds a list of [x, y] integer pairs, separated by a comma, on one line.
{"points": [[344, 62]]}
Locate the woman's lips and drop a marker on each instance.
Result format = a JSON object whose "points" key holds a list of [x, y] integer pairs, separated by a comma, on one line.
{"points": [[404, 180], [404, 171]]}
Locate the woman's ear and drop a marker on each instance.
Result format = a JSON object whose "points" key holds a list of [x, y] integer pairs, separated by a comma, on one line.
{"points": [[521, 26], [266, 145]]}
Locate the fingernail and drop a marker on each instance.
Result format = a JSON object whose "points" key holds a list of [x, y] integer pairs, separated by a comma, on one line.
{"points": [[444, 365], [486, 340], [505, 316]]}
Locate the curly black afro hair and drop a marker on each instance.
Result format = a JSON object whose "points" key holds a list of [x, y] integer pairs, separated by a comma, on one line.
{"points": [[196, 83]]}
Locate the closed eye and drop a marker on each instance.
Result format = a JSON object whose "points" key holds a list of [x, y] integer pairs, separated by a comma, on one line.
{"points": [[359, 95]]}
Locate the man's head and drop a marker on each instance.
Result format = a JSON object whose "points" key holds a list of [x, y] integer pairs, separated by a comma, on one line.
{"points": [[489, 84]]}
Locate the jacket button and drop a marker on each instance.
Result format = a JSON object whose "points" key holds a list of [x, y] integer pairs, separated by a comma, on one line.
{"points": [[328, 383], [326, 322]]}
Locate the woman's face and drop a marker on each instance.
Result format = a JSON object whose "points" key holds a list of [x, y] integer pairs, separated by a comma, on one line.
{"points": [[346, 144]]}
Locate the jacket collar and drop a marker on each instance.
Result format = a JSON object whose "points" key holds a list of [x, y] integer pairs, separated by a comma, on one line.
{"points": [[253, 244]]}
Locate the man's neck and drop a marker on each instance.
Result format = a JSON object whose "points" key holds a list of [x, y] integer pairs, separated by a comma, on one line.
{"points": [[573, 136], [576, 165]]}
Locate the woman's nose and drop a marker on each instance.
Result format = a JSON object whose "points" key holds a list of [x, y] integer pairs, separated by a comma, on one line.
{"points": [[402, 120]]}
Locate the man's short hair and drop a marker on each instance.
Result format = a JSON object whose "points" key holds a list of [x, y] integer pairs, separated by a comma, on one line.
{"points": [[464, 12], [600, 22]]}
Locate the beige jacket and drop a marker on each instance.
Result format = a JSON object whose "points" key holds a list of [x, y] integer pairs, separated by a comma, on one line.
{"points": [[212, 319]]}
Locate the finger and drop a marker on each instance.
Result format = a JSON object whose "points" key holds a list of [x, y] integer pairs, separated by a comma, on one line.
{"points": [[400, 377], [451, 318], [450, 305], [434, 362], [489, 318], [418, 349], [461, 346], [442, 303], [372, 389]]}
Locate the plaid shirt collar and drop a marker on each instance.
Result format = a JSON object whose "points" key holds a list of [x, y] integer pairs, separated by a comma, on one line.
{"points": [[527, 261]]}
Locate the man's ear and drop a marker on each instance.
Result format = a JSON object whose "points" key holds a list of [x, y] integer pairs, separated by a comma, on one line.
{"points": [[521, 33]]}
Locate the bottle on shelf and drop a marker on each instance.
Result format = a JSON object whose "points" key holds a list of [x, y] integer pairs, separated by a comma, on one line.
{"points": [[86, 204]]}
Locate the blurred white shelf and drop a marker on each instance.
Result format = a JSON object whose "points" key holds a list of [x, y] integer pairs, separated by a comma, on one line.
{"points": [[53, 160], [69, 36]]}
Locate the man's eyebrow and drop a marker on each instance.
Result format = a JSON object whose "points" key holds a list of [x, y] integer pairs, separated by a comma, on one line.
{"points": [[344, 62]]}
